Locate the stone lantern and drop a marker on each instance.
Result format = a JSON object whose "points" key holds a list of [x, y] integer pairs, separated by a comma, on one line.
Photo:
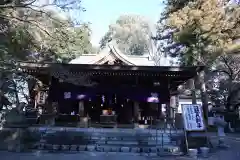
{"points": [[220, 123]]}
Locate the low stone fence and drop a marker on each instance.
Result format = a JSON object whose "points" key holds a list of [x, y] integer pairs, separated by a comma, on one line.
{"points": [[102, 140], [18, 138]]}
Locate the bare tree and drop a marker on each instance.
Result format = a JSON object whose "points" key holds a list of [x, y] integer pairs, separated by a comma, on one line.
{"points": [[223, 80]]}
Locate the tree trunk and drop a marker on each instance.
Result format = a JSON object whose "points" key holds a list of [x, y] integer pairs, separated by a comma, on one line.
{"points": [[193, 91], [16, 93], [204, 96]]}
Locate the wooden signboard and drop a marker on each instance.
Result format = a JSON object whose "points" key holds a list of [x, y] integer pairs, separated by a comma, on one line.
{"points": [[194, 126]]}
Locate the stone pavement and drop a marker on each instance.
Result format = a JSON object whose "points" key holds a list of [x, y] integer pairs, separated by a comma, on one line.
{"points": [[233, 153], [73, 156]]}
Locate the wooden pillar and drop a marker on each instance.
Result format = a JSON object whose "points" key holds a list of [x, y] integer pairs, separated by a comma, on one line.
{"points": [[54, 107], [168, 110], [81, 108], [84, 120], [154, 108], [159, 111], [173, 105], [136, 111]]}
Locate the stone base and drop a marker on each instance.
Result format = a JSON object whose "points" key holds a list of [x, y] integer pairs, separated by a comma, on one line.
{"points": [[135, 150], [65, 147], [107, 148], [74, 148], [50, 122], [136, 125], [146, 150], [56, 147], [115, 149], [222, 144], [81, 147], [49, 146], [83, 122], [41, 146], [100, 148], [11, 147], [142, 126], [91, 148], [125, 149], [153, 150]]}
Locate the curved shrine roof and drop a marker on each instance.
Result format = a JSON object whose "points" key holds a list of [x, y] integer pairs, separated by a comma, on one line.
{"points": [[112, 53]]}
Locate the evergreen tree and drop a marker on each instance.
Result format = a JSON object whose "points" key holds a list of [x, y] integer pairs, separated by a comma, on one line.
{"points": [[199, 31]]}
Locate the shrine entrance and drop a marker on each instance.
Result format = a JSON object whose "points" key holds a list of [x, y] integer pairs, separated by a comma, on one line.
{"points": [[122, 111], [115, 107]]}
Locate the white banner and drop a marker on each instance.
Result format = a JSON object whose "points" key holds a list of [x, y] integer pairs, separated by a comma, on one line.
{"points": [[41, 97], [193, 117]]}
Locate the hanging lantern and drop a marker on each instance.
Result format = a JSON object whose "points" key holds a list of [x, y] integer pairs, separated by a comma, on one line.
{"points": [[103, 98], [67, 95]]}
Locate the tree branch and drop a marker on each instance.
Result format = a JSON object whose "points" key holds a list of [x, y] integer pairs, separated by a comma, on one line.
{"points": [[236, 75], [32, 22], [20, 5], [228, 67], [221, 71], [45, 13]]}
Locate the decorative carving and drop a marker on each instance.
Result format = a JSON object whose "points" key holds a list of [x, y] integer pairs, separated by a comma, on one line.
{"points": [[113, 62], [110, 62], [112, 56], [64, 75]]}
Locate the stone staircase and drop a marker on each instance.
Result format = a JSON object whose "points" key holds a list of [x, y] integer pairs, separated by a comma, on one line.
{"points": [[110, 140]]}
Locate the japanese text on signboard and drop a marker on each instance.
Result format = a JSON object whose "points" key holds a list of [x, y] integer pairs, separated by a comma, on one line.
{"points": [[193, 119]]}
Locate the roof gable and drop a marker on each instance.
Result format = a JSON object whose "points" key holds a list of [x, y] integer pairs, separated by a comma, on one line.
{"points": [[110, 54]]}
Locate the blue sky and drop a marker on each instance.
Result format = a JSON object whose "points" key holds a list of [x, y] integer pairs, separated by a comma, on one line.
{"points": [[102, 13]]}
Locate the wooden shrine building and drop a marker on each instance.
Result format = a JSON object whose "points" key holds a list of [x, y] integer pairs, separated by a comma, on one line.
{"points": [[111, 89]]}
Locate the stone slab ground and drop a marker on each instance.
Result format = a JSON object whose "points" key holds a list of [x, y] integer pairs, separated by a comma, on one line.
{"points": [[233, 153]]}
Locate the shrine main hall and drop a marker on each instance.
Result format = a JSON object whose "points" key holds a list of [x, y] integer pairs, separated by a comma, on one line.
{"points": [[108, 89]]}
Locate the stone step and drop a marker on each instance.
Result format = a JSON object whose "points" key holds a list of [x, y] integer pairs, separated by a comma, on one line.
{"points": [[112, 137], [126, 134], [147, 142], [132, 142], [166, 150], [109, 141], [122, 134], [162, 147], [110, 130], [119, 135], [126, 138]]}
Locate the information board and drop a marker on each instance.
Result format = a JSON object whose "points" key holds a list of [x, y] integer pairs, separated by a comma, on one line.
{"points": [[193, 117]]}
